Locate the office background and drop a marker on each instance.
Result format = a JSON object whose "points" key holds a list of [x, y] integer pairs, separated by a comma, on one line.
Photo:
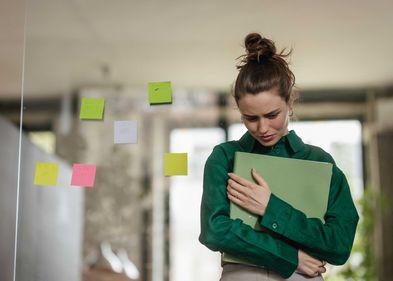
{"points": [[135, 220]]}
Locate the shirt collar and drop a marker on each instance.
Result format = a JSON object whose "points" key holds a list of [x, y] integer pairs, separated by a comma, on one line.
{"points": [[247, 141], [294, 141]]}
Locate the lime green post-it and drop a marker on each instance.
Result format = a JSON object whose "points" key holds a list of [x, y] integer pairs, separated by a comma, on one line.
{"points": [[92, 108], [160, 92], [175, 164], [46, 173]]}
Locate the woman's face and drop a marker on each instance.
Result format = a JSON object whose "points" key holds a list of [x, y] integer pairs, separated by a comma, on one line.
{"points": [[265, 115]]}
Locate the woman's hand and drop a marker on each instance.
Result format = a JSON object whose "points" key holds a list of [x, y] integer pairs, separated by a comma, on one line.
{"points": [[309, 265], [251, 196]]}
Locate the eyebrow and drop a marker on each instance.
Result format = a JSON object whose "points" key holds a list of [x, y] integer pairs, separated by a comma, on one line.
{"points": [[267, 114]]}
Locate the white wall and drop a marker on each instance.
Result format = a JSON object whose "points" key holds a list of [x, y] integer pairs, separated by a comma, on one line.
{"points": [[50, 218], [8, 175]]}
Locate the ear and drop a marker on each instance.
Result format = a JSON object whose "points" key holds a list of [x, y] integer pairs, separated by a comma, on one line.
{"points": [[292, 98], [291, 101]]}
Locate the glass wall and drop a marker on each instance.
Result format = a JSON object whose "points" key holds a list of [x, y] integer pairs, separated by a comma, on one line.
{"points": [[98, 197], [12, 22], [93, 192]]}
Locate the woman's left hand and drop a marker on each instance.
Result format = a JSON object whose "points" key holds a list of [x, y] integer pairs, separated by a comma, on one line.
{"points": [[251, 196]]}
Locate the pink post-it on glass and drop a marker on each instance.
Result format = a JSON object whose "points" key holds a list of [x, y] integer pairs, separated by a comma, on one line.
{"points": [[83, 175]]}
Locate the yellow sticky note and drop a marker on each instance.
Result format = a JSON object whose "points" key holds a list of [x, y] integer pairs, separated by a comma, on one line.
{"points": [[46, 173], [175, 164], [160, 92], [92, 108]]}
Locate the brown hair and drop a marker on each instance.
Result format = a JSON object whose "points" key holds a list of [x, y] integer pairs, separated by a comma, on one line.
{"points": [[262, 69]]}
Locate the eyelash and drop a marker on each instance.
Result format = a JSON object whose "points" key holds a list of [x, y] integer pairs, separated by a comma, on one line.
{"points": [[251, 119], [272, 116], [254, 119]]}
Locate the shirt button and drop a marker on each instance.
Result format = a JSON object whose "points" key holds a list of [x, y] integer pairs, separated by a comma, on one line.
{"points": [[274, 225]]}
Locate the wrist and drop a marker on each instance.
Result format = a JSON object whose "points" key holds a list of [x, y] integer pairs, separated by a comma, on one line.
{"points": [[266, 203]]}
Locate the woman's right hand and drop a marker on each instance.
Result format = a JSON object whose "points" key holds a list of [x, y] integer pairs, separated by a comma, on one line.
{"points": [[309, 265]]}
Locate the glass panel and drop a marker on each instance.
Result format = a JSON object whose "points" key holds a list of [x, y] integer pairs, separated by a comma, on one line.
{"points": [[116, 229], [12, 22], [67, 230]]}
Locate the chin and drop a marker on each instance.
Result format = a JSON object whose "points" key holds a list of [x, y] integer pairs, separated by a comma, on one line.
{"points": [[268, 143]]}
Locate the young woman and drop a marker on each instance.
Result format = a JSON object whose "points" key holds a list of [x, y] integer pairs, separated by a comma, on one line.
{"points": [[293, 246]]}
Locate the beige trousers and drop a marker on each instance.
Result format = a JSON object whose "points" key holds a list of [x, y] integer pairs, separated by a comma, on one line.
{"points": [[239, 272]]}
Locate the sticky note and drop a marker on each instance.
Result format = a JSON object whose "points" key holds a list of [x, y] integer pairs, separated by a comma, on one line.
{"points": [[160, 92], [175, 164], [92, 108], [125, 131], [46, 173], [83, 175]]}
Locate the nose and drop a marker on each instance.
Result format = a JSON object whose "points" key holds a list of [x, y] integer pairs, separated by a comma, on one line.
{"points": [[263, 126]]}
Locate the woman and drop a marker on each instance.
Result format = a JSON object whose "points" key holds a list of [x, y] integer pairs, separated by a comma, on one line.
{"points": [[294, 246]]}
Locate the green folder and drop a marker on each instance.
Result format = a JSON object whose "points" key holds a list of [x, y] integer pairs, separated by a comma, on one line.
{"points": [[302, 183]]}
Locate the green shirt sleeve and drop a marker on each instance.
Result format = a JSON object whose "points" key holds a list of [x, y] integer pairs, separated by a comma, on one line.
{"points": [[221, 233], [330, 241]]}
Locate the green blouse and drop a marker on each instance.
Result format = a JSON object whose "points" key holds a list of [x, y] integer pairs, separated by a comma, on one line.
{"points": [[287, 229]]}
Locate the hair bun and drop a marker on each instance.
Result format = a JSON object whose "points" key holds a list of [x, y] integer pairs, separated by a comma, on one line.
{"points": [[258, 48]]}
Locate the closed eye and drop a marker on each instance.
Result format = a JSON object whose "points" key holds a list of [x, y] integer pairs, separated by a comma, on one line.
{"points": [[250, 118], [254, 118], [272, 115]]}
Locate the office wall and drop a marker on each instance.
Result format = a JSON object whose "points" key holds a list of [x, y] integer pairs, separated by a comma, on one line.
{"points": [[8, 175], [50, 218]]}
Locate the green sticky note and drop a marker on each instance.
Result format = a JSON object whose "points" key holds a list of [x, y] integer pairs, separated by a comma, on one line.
{"points": [[92, 108], [46, 173], [175, 164], [160, 92]]}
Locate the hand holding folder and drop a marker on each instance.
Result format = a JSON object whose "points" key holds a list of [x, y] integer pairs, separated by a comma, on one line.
{"points": [[304, 184]]}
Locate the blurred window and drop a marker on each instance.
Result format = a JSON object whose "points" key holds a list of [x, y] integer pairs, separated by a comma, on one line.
{"points": [[189, 259], [44, 140]]}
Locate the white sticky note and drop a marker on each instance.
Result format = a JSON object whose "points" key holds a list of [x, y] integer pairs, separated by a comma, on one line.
{"points": [[125, 131]]}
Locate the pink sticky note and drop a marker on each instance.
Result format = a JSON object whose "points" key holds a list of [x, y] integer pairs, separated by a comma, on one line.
{"points": [[83, 175]]}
